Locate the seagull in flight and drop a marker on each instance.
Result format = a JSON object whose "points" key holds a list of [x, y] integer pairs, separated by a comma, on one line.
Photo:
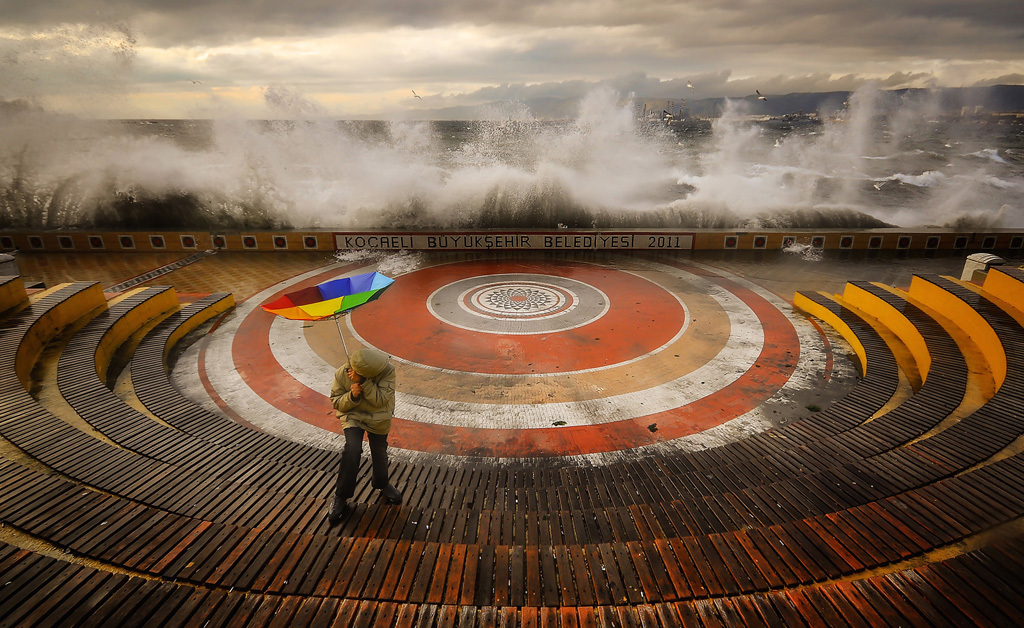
{"points": [[415, 95], [760, 97], [690, 85]]}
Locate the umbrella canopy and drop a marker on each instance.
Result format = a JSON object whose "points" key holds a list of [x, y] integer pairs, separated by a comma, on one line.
{"points": [[326, 299]]}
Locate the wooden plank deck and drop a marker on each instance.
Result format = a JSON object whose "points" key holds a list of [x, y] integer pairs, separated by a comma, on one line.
{"points": [[814, 529], [971, 589]]}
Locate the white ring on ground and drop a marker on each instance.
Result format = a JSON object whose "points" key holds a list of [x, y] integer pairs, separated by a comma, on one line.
{"points": [[480, 300], [514, 326]]}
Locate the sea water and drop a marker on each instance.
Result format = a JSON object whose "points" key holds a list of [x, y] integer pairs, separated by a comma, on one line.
{"points": [[907, 166]]}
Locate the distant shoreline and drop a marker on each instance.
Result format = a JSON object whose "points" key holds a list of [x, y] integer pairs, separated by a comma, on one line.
{"points": [[1000, 101]]}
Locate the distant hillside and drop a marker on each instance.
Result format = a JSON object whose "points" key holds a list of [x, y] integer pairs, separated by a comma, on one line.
{"points": [[776, 105], [951, 100]]}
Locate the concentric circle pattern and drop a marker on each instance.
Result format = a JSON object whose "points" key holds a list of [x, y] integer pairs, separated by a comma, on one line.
{"points": [[518, 304], [513, 358], [518, 300], [454, 317]]}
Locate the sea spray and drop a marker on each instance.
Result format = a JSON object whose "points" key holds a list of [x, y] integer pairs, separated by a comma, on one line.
{"points": [[389, 263], [879, 164]]}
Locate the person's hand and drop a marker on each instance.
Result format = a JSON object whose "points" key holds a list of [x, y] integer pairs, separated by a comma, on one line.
{"points": [[357, 390], [355, 377]]}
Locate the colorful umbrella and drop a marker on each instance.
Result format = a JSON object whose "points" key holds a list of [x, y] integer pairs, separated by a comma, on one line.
{"points": [[330, 298]]}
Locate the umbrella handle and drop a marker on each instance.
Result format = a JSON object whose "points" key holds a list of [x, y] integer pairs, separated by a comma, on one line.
{"points": [[337, 321]]}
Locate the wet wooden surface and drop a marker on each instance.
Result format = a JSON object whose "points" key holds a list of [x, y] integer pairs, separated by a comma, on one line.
{"points": [[831, 520]]}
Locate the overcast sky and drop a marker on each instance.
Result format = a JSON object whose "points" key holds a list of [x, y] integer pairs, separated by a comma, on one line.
{"points": [[201, 58]]}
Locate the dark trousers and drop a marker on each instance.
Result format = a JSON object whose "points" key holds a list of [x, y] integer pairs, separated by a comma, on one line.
{"points": [[350, 461]]}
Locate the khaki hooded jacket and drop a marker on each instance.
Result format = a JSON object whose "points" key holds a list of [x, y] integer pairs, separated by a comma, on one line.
{"points": [[375, 408]]}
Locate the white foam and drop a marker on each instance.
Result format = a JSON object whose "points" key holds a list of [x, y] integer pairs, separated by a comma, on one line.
{"points": [[926, 179], [989, 153]]}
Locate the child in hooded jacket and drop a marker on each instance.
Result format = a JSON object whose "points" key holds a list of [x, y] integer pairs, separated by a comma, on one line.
{"points": [[363, 396]]}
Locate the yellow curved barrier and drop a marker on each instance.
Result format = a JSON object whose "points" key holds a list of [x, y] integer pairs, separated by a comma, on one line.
{"points": [[895, 321], [12, 293], [223, 305], [1005, 287], [51, 324], [161, 303], [824, 314], [966, 318]]}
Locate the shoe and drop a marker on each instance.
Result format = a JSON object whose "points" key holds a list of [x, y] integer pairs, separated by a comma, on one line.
{"points": [[337, 512], [391, 494]]}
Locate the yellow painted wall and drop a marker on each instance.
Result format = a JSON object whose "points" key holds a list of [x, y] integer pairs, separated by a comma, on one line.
{"points": [[51, 324], [159, 304], [217, 308], [895, 321], [825, 315], [12, 294], [967, 319], [1004, 287]]}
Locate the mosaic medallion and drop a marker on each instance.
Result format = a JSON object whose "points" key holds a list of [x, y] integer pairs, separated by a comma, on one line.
{"points": [[517, 300], [517, 304]]}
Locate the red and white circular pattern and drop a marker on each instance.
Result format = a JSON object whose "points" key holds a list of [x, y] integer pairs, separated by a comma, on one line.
{"points": [[515, 358]]}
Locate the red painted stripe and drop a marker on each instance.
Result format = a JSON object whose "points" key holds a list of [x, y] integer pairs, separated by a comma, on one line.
{"points": [[261, 371], [217, 399]]}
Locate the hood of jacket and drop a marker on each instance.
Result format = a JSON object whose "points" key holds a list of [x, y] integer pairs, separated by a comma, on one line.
{"points": [[368, 362]]}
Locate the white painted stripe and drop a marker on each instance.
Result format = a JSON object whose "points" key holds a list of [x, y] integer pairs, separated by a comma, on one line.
{"points": [[811, 363], [223, 376]]}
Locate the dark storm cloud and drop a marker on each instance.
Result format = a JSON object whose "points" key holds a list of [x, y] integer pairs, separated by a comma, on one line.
{"points": [[169, 22], [957, 27], [861, 29], [522, 49]]}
